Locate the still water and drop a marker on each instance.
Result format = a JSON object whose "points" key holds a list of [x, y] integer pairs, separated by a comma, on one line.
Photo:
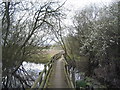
{"points": [[33, 69]]}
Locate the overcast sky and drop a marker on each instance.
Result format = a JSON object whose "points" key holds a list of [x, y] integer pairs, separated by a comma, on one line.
{"points": [[74, 5]]}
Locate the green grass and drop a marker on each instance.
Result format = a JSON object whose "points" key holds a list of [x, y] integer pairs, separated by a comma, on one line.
{"points": [[76, 57], [88, 81], [39, 58], [81, 83]]}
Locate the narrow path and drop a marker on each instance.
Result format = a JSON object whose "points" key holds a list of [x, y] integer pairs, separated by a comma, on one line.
{"points": [[57, 78]]}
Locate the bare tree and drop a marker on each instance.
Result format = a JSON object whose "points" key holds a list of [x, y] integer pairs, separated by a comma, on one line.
{"points": [[24, 27]]}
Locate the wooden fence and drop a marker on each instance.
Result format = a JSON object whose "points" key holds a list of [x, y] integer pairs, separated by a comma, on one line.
{"points": [[42, 80]]}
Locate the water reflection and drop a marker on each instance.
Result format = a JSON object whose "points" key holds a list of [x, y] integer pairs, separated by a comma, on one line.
{"points": [[77, 76], [33, 69]]}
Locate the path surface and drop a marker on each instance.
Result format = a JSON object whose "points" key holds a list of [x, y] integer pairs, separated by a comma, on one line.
{"points": [[57, 78]]}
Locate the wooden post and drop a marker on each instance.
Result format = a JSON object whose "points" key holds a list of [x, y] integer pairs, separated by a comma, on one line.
{"points": [[68, 69], [49, 65], [40, 79], [73, 76], [45, 68]]}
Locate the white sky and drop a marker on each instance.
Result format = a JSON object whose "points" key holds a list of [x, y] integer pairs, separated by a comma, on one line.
{"points": [[74, 5]]}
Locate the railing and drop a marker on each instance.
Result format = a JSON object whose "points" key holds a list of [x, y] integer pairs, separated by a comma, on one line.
{"points": [[69, 79], [42, 80]]}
